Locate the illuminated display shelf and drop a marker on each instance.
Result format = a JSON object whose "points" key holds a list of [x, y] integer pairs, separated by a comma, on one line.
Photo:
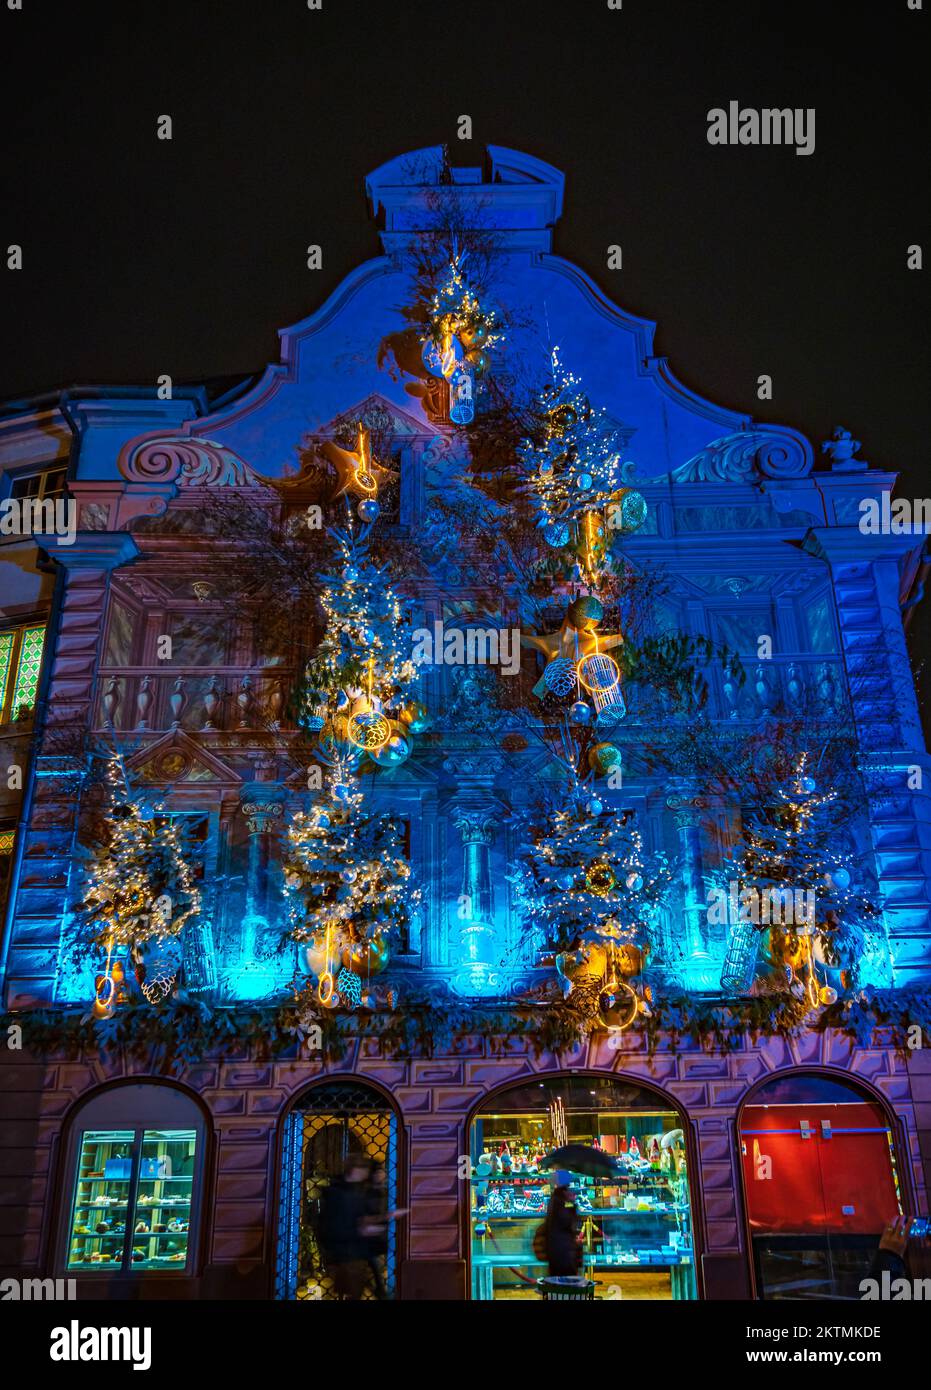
{"points": [[152, 1199]]}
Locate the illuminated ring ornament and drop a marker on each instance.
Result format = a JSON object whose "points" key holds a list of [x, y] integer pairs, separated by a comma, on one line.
{"points": [[105, 992], [623, 1013], [598, 672], [369, 730], [326, 989]]}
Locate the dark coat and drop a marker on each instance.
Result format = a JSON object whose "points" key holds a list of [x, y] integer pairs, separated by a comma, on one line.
{"points": [[342, 1210], [563, 1252]]}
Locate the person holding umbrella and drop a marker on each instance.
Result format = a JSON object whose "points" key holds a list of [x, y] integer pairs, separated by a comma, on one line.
{"points": [[561, 1229]]}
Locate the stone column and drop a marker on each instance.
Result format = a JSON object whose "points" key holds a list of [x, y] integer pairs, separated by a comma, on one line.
{"points": [[687, 807], [262, 807], [475, 815]]}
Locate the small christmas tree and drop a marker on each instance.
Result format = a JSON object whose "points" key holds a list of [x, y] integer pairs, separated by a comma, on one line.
{"points": [[348, 887], [366, 649], [792, 877], [575, 477], [138, 886], [583, 875]]}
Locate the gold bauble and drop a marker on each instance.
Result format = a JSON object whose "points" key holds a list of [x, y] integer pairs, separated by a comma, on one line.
{"points": [[828, 995], [366, 957], [600, 878]]}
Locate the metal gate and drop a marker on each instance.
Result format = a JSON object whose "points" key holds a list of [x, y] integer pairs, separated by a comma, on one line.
{"points": [[330, 1123]]}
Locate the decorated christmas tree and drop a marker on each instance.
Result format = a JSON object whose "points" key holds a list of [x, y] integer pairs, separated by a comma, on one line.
{"points": [[574, 475], [355, 682], [348, 888], [788, 888], [589, 891], [138, 893]]}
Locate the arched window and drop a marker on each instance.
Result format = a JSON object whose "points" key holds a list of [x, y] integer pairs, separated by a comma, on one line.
{"points": [[635, 1222], [134, 1166], [820, 1183], [332, 1125]]}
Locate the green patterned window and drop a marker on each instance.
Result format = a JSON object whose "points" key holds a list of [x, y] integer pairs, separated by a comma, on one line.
{"points": [[20, 665], [6, 662]]}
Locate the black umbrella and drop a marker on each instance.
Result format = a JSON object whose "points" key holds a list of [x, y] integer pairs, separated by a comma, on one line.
{"points": [[581, 1158]]}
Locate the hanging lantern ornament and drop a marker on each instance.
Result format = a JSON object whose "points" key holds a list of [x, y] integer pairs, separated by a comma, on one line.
{"points": [[598, 673], [368, 728], [462, 396]]}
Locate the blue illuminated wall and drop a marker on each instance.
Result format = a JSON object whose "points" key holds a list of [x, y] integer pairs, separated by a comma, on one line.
{"points": [[754, 537]]}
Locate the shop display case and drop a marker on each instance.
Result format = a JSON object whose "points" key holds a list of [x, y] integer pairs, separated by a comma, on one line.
{"points": [[635, 1227], [133, 1197]]}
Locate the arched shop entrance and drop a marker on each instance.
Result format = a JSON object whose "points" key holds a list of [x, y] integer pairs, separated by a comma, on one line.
{"points": [[637, 1229], [820, 1182], [328, 1124]]}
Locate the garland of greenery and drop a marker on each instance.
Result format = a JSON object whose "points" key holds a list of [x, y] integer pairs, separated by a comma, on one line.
{"points": [[184, 1032]]}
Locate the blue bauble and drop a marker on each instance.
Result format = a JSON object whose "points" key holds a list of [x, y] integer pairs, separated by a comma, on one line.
{"points": [[556, 534], [368, 510], [566, 882], [807, 784], [580, 713], [841, 878], [584, 482], [594, 807]]}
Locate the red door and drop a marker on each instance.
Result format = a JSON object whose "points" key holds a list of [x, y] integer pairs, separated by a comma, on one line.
{"points": [[817, 1167]]}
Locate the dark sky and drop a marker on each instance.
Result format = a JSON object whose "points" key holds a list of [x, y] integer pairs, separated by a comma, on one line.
{"points": [[144, 256]]}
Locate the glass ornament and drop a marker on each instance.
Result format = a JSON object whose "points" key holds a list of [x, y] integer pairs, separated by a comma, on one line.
{"points": [[556, 534], [633, 511]]}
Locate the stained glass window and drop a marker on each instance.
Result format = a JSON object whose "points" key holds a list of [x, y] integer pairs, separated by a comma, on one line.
{"points": [[6, 655], [27, 675]]}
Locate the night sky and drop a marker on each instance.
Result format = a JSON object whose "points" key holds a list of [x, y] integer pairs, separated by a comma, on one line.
{"points": [[145, 256]]}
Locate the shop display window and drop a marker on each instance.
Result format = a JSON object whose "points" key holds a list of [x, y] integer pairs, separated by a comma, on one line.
{"points": [[134, 1185], [132, 1199], [820, 1183], [636, 1228]]}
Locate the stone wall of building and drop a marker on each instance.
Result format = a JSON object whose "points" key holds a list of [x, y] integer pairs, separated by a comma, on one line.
{"points": [[246, 1100]]}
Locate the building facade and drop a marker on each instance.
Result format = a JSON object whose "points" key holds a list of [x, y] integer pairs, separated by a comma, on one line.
{"points": [[763, 554]]}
